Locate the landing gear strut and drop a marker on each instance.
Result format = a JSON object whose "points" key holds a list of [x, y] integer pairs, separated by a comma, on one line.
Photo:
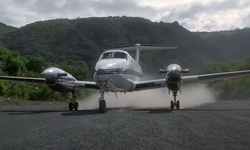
{"points": [[73, 105], [175, 103], [102, 103]]}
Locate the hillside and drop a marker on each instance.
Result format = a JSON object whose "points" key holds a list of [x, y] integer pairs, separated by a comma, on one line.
{"points": [[233, 44], [4, 28], [82, 40]]}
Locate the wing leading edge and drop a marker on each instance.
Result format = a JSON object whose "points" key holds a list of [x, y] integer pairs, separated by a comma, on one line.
{"points": [[150, 84], [77, 84], [142, 85], [159, 83], [213, 76], [23, 79], [85, 84]]}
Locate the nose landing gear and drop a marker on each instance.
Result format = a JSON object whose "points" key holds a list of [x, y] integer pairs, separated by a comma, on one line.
{"points": [[175, 103], [102, 103]]}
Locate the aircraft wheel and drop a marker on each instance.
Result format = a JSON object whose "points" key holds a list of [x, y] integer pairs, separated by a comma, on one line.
{"points": [[178, 105], [172, 105], [71, 106], [102, 106], [76, 105]]}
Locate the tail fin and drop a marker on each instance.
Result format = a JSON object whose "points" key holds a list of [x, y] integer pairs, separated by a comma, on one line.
{"points": [[138, 47]]}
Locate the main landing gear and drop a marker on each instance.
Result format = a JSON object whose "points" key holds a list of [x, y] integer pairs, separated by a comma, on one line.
{"points": [[73, 105], [102, 103], [175, 103]]}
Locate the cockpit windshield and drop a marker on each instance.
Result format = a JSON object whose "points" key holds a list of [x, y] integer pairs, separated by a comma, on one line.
{"points": [[106, 56], [110, 55]]}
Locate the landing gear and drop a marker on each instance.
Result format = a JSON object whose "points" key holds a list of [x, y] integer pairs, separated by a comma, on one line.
{"points": [[102, 106], [178, 105], [73, 105], [172, 105], [102, 103], [76, 105], [175, 103]]}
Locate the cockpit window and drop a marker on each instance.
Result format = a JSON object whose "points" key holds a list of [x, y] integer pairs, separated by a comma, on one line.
{"points": [[106, 55], [120, 55], [110, 55]]}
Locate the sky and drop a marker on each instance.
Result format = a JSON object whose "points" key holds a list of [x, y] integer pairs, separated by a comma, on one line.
{"points": [[194, 15]]}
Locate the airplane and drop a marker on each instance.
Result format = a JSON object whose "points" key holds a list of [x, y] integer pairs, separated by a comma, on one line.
{"points": [[117, 71]]}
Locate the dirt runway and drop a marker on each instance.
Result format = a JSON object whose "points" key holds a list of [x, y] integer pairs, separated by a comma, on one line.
{"points": [[218, 125]]}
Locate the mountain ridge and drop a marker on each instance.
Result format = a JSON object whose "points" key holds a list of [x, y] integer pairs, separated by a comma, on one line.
{"points": [[83, 39]]}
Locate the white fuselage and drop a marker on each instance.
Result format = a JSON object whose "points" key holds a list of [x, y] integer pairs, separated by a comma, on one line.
{"points": [[114, 74]]}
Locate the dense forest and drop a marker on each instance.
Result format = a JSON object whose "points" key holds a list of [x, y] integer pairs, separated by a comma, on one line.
{"points": [[75, 45], [12, 64], [233, 88]]}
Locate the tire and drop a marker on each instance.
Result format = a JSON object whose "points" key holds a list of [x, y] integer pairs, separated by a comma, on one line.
{"points": [[178, 105], [172, 105], [102, 106], [71, 106], [76, 105]]}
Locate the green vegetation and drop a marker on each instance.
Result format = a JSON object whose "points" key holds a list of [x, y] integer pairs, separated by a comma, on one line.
{"points": [[230, 89], [5, 29], [12, 64]]}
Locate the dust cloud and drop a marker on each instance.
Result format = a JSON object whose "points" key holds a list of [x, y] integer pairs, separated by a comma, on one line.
{"points": [[191, 96]]}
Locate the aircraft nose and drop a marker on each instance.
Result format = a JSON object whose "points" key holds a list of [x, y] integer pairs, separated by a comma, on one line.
{"points": [[110, 65], [174, 75]]}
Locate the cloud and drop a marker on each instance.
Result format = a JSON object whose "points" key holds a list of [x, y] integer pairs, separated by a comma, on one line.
{"points": [[192, 14], [212, 15]]}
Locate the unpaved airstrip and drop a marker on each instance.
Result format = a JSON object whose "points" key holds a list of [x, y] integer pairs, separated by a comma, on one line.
{"points": [[217, 125]]}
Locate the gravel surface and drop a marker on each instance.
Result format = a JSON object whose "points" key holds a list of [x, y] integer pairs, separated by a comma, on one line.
{"points": [[219, 125]]}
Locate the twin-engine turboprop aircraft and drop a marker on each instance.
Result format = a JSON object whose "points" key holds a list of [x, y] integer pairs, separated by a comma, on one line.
{"points": [[117, 71]]}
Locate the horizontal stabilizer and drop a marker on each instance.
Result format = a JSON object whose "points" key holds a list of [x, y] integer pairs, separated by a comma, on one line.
{"points": [[143, 47]]}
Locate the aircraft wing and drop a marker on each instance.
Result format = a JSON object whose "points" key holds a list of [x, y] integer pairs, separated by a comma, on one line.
{"points": [[213, 76], [77, 84], [159, 83], [85, 84], [23, 79], [150, 84]]}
